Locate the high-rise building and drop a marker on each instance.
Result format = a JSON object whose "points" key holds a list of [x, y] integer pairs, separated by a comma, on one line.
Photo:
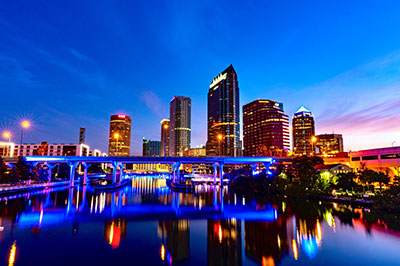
{"points": [[164, 137], [265, 128], [303, 132], [151, 147], [223, 125], [180, 109], [119, 141], [329, 143], [82, 132]]}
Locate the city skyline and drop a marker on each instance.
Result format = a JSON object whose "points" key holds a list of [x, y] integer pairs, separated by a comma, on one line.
{"points": [[351, 61]]}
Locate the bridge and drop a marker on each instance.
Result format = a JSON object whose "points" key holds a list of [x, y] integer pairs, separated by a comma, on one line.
{"points": [[119, 162]]}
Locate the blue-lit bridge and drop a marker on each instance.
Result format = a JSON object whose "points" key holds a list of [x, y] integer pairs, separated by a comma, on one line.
{"points": [[118, 163]]}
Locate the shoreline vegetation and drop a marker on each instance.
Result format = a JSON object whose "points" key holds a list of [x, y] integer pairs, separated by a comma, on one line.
{"points": [[303, 182]]}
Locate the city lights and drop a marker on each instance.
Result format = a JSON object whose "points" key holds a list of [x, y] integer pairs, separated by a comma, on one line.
{"points": [[7, 135], [25, 124]]}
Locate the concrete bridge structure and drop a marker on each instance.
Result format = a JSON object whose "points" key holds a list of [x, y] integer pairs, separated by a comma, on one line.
{"points": [[118, 163]]}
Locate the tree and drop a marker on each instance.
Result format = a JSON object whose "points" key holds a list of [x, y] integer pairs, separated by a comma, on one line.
{"points": [[346, 181], [22, 170]]}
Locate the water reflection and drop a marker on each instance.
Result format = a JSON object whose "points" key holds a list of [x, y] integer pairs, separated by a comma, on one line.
{"points": [[176, 227]]}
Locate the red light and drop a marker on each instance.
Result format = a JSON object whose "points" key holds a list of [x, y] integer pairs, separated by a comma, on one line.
{"points": [[122, 116]]}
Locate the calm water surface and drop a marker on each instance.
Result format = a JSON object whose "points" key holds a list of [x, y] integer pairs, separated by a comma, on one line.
{"points": [[147, 224]]}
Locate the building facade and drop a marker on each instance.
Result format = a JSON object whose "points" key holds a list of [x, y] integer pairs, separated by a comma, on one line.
{"points": [[45, 149], [164, 137], [82, 133], [223, 125], [119, 140], [265, 128], [329, 143], [303, 127], [151, 147], [180, 125]]}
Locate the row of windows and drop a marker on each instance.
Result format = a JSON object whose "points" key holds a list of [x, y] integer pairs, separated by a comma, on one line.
{"points": [[375, 157]]}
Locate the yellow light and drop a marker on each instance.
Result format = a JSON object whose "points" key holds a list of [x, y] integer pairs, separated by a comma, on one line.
{"points": [[13, 251], [25, 124], [220, 234], [7, 135], [319, 231], [165, 126], [116, 135], [294, 247], [219, 136], [314, 139], [111, 233], [162, 252]]}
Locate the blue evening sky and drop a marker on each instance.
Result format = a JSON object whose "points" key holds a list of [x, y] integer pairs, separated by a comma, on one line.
{"points": [[67, 64]]}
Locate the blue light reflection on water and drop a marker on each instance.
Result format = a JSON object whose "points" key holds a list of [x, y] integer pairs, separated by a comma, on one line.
{"points": [[75, 226]]}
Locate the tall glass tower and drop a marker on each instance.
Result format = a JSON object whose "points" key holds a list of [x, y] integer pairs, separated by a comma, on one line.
{"points": [[119, 140], [223, 125], [164, 137], [303, 132], [179, 136]]}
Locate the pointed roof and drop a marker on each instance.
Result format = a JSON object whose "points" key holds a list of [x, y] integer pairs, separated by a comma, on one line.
{"points": [[230, 69], [302, 109]]}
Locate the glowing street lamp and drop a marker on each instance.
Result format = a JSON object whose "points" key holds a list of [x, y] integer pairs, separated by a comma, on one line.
{"points": [[7, 135], [313, 140], [25, 124], [116, 137], [219, 137], [165, 139]]}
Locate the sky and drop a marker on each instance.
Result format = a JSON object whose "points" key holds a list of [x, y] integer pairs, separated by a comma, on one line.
{"points": [[71, 64]]}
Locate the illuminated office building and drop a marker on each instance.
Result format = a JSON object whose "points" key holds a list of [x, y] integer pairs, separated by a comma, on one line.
{"points": [[180, 109], [164, 137], [119, 141], [329, 143], [151, 147], [265, 128], [303, 131], [45, 149], [223, 125]]}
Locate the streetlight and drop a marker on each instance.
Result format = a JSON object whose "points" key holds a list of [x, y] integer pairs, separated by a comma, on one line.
{"points": [[313, 140], [116, 137], [7, 136], [25, 124], [219, 143], [165, 139]]}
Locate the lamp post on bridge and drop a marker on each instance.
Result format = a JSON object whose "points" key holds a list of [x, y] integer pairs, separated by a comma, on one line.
{"points": [[25, 124]]}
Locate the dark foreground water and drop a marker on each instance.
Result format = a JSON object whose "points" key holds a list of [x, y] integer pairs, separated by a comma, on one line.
{"points": [[147, 224]]}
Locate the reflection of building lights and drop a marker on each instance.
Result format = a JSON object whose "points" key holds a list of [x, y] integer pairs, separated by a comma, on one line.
{"points": [[294, 247], [13, 251], [162, 252], [111, 233], [220, 234], [319, 232], [41, 217], [267, 261], [309, 246]]}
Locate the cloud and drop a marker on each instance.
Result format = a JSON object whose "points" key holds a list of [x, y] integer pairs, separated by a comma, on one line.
{"points": [[13, 69], [80, 56], [152, 101], [363, 101]]}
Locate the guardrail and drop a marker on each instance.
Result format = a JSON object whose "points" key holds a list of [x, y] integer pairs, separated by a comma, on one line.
{"points": [[21, 188]]}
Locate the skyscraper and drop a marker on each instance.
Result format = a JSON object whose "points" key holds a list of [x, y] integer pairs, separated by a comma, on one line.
{"points": [[119, 141], [223, 125], [180, 109], [303, 132], [151, 147], [82, 132], [329, 143], [164, 137], [265, 128]]}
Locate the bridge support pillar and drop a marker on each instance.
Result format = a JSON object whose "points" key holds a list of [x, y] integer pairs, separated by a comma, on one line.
{"points": [[115, 166], [72, 167], [267, 165], [121, 171], [85, 173], [253, 168], [221, 174], [215, 166], [178, 166], [50, 167], [173, 172]]}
